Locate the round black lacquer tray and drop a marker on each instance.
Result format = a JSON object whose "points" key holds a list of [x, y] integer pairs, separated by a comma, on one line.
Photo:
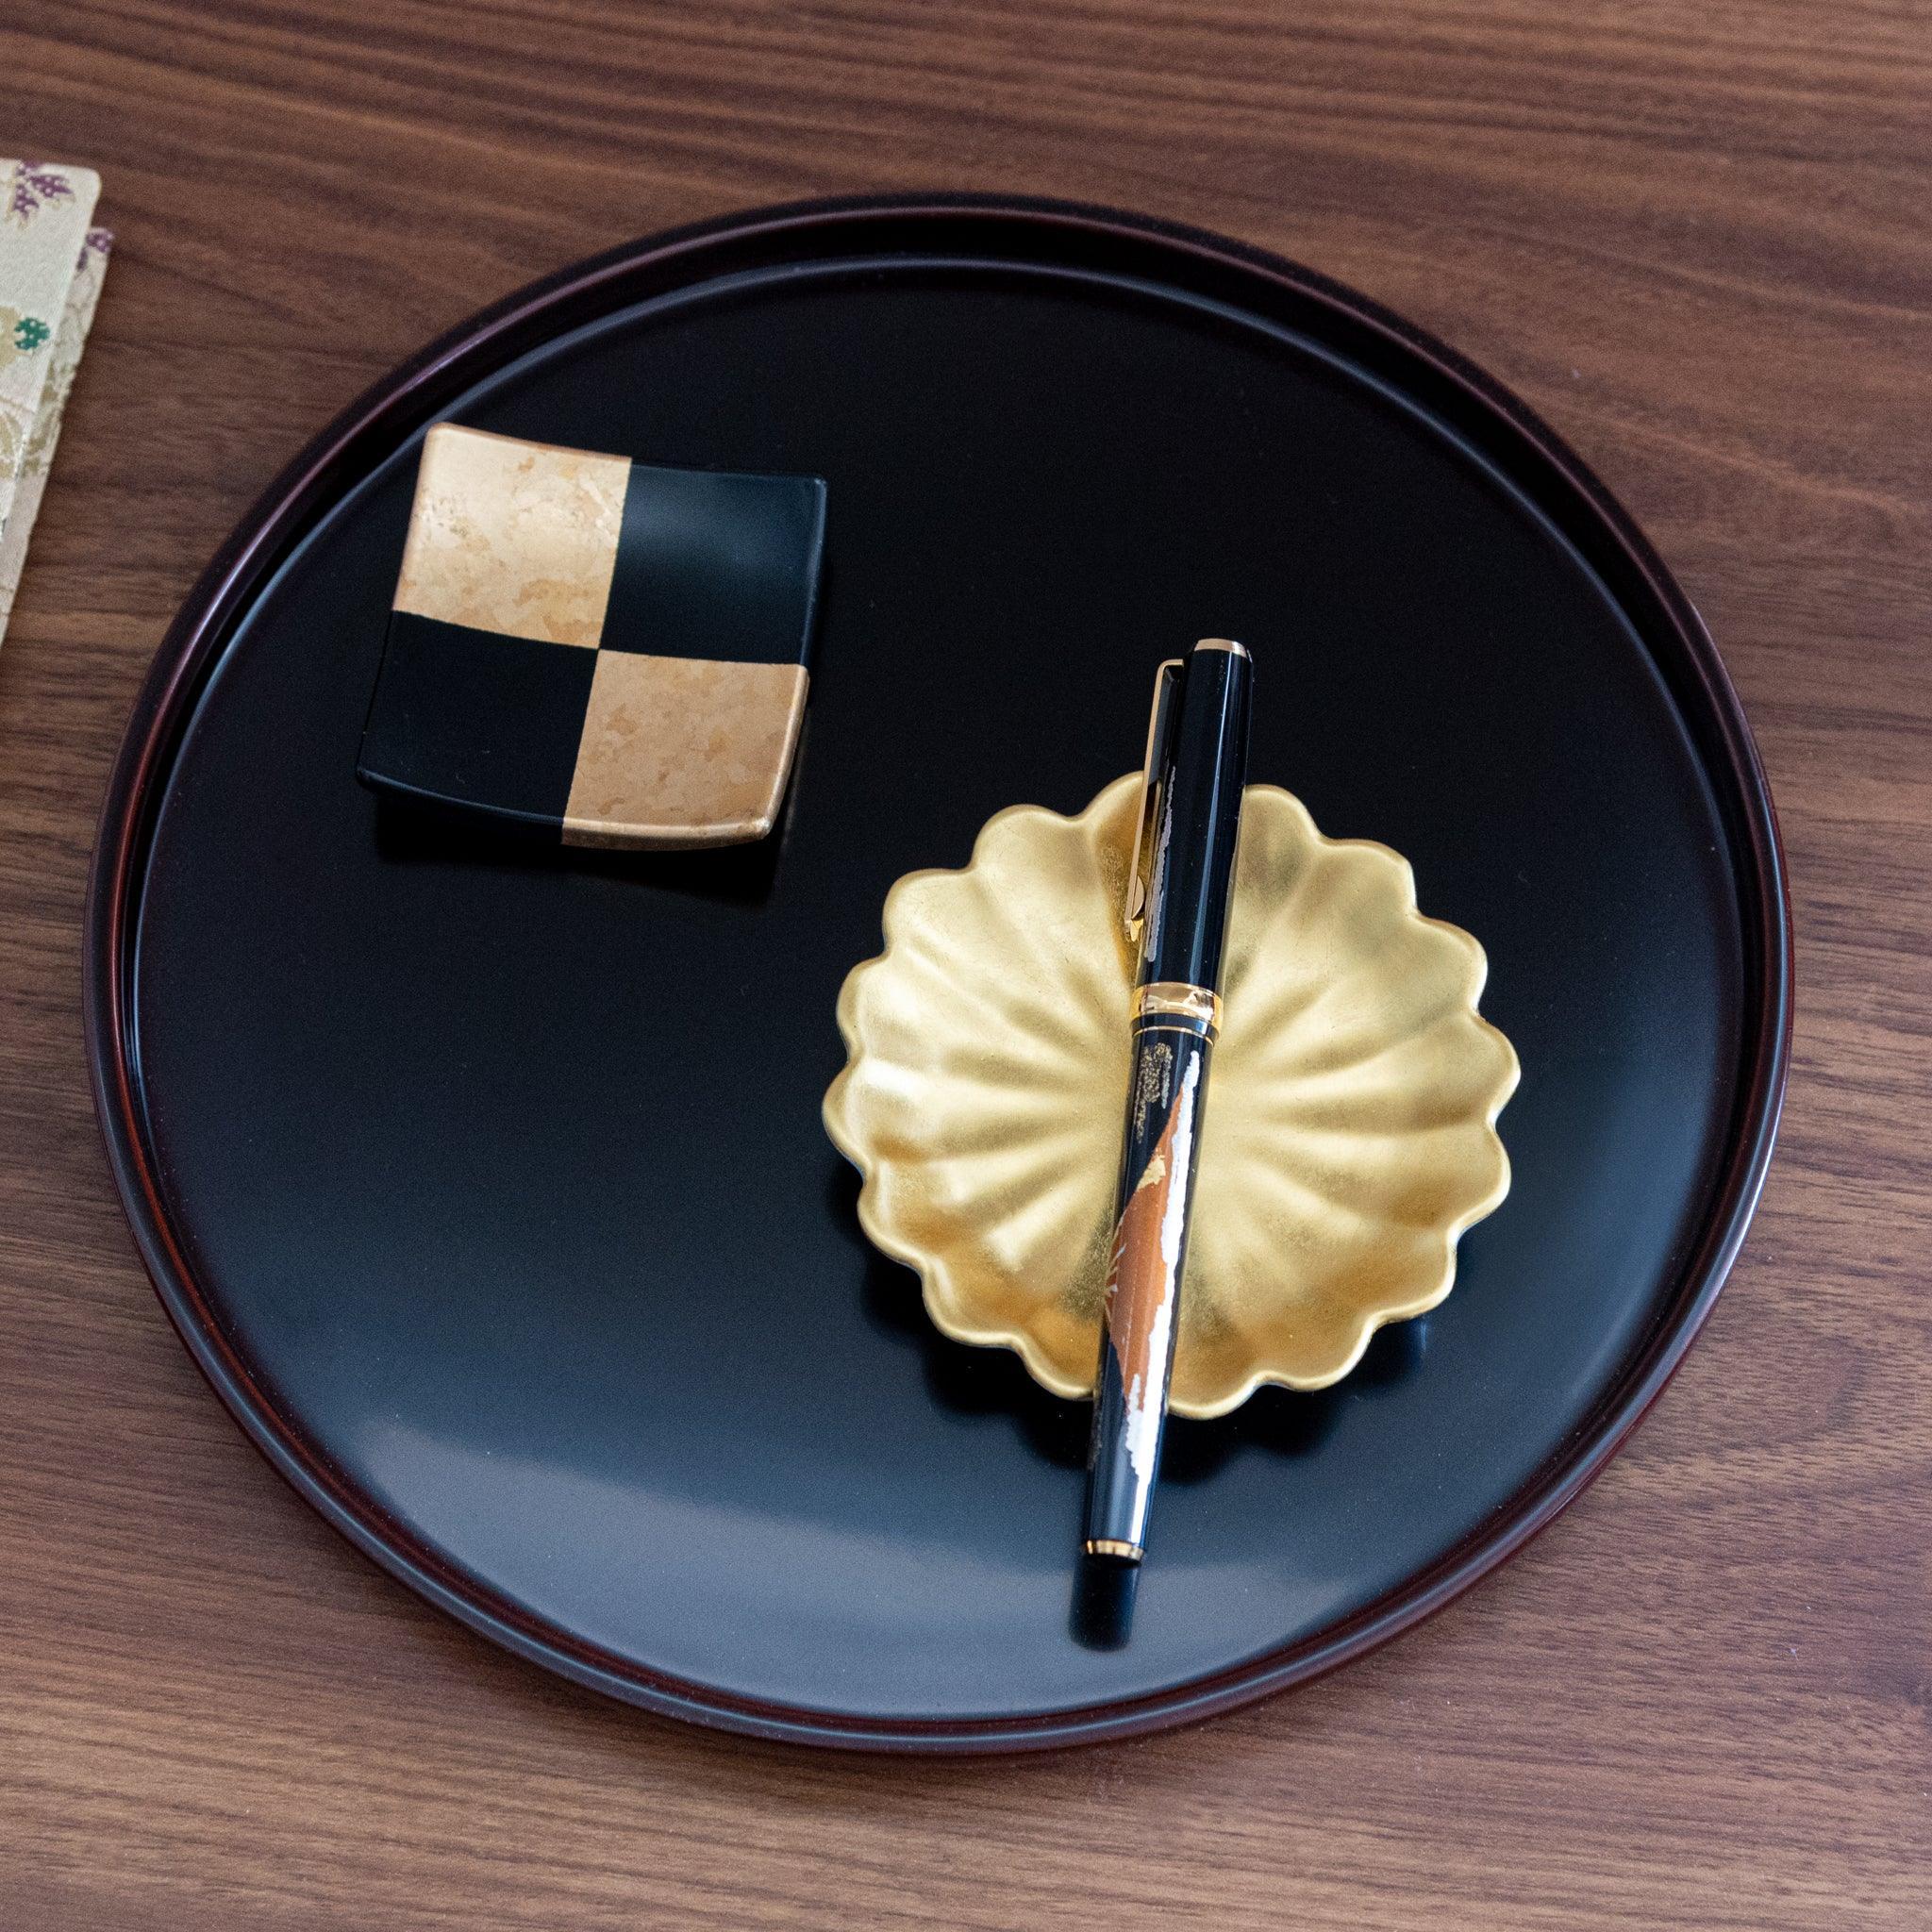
{"points": [[487, 1186]]}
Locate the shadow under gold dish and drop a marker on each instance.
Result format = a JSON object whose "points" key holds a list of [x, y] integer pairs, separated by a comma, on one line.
{"points": [[1350, 1133]]}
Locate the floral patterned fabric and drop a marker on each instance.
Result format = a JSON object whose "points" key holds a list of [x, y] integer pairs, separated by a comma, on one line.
{"points": [[51, 265]]}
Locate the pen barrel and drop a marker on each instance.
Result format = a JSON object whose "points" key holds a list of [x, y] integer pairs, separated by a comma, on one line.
{"points": [[1170, 1059]]}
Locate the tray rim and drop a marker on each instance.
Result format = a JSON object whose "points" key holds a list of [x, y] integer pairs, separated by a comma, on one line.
{"points": [[390, 410]]}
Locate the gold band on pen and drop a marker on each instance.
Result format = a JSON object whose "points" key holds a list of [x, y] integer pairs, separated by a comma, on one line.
{"points": [[1113, 1546], [1178, 999]]}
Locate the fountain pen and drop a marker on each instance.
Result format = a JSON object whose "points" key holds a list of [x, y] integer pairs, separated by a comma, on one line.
{"points": [[1177, 890]]}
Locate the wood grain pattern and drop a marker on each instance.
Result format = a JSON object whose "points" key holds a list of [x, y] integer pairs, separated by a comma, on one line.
{"points": [[1697, 240]]}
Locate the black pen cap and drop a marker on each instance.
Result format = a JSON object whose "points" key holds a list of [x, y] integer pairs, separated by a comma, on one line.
{"points": [[1203, 767]]}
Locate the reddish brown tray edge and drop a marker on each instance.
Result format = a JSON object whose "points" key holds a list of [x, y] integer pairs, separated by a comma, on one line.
{"points": [[386, 414]]}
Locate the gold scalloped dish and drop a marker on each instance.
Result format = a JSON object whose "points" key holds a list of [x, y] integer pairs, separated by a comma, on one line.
{"points": [[1350, 1131]]}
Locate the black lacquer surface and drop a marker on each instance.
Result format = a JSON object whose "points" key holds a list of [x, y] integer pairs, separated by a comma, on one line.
{"points": [[488, 1184], [717, 566]]}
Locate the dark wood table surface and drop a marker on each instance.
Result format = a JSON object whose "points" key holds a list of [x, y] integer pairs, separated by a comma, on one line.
{"points": [[1700, 242]]}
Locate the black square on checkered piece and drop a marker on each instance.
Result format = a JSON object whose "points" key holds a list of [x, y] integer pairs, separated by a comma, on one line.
{"points": [[716, 565], [472, 718]]}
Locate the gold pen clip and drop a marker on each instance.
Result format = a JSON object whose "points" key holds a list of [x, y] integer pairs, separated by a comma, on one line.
{"points": [[1160, 724]]}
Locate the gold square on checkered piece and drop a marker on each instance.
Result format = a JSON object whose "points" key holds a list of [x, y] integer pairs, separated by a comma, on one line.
{"points": [[680, 752], [514, 537]]}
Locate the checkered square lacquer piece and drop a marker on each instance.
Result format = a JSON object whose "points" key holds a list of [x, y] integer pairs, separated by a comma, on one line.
{"points": [[602, 648]]}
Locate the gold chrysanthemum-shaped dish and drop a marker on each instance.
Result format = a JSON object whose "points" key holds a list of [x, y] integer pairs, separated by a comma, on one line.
{"points": [[1349, 1134]]}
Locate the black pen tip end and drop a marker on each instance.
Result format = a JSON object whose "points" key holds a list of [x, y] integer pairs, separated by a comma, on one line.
{"points": [[1104, 1589]]}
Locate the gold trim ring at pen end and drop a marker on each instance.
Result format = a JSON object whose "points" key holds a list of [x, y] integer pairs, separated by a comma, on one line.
{"points": [[1114, 1547], [1179, 999], [1221, 644]]}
